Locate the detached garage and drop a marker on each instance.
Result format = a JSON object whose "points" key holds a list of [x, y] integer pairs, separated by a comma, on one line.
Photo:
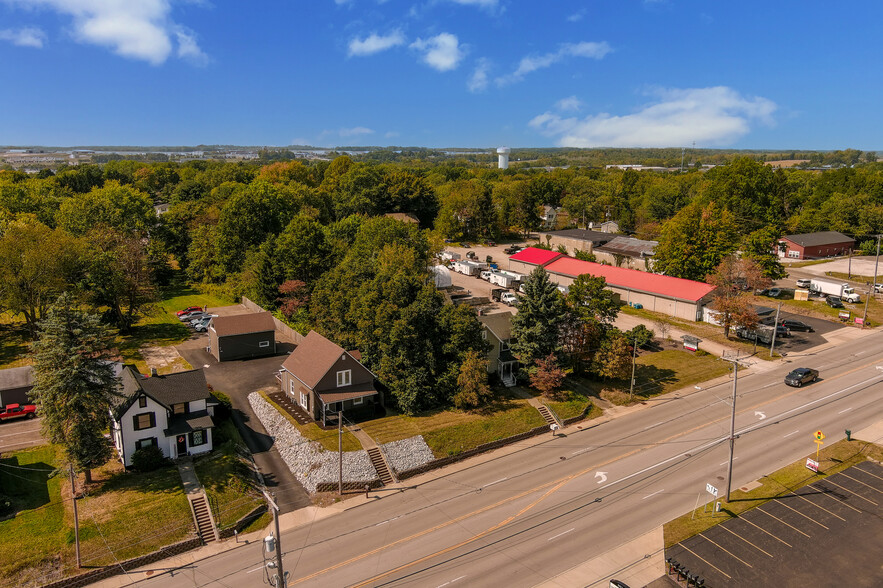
{"points": [[242, 336]]}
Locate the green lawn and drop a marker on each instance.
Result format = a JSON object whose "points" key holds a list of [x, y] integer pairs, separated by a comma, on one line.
{"points": [[448, 432], [14, 341], [672, 369], [229, 484], [312, 431], [573, 400], [855, 278], [834, 458]]}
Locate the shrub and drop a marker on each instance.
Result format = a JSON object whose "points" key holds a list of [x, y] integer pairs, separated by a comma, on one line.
{"points": [[148, 459]]}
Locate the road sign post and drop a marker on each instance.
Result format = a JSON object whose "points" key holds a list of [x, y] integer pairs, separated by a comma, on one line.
{"points": [[820, 440]]}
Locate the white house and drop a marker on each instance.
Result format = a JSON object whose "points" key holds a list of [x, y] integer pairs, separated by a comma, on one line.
{"points": [[173, 412]]}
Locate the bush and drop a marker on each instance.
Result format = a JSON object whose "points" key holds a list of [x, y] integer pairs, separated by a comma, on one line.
{"points": [[148, 459], [640, 335]]}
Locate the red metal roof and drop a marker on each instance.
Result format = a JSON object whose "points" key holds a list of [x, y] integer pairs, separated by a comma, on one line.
{"points": [[633, 279], [535, 256]]}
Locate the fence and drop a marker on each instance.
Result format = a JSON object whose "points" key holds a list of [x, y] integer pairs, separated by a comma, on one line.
{"points": [[285, 332]]}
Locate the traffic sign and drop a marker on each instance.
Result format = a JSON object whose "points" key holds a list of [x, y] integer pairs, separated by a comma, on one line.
{"points": [[819, 436], [711, 489]]}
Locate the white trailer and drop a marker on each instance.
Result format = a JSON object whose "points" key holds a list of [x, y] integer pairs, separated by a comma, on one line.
{"points": [[502, 279], [469, 268], [834, 288], [449, 256]]}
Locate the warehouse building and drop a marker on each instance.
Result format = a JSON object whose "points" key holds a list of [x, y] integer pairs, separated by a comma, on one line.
{"points": [[815, 245], [627, 252], [575, 239]]}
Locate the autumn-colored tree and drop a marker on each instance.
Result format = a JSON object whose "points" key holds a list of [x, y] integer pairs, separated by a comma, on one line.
{"points": [[472, 388], [732, 277], [614, 359], [547, 376], [295, 296]]}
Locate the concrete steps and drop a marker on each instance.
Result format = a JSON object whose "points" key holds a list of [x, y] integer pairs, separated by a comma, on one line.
{"points": [[203, 517], [379, 464], [547, 415]]}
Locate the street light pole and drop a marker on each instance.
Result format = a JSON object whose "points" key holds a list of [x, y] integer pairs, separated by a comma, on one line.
{"points": [[873, 284], [634, 356], [735, 361], [76, 518]]}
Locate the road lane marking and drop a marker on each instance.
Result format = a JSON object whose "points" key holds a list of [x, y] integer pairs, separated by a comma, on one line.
{"points": [[724, 527], [581, 451], [654, 494], [450, 581], [254, 570], [495, 482], [726, 550], [845, 410], [783, 522], [728, 461], [706, 561], [791, 433], [559, 534]]}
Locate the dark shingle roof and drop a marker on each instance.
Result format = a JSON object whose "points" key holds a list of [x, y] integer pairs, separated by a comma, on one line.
{"points": [[242, 324], [167, 390], [596, 237], [500, 324], [185, 423], [821, 238], [312, 358]]}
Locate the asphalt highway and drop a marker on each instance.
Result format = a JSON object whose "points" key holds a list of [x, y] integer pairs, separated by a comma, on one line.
{"points": [[525, 514]]}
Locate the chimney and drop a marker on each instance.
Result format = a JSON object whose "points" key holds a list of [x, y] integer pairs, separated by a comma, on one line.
{"points": [[153, 372]]}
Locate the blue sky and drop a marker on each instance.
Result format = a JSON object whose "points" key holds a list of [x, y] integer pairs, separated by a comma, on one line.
{"points": [[442, 73]]}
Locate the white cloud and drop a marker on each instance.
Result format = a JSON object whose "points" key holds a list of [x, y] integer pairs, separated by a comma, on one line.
{"points": [[24, 37], [355, 132], [442, 52], [571, 103], [391, 134], [374, 43], [138, 29], [488, 4], [577, 16], [532, 63], [479, 80], [713, 116]]}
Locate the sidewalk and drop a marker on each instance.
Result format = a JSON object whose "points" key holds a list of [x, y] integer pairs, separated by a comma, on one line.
{"points": [[188, 476]]}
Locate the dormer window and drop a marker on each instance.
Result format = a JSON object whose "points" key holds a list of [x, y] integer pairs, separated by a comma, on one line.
{"points": [[179, 408], [344, 378], [142, 401]]}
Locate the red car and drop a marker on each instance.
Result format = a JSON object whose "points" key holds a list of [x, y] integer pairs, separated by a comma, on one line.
{"points": [[16, 411], [189, 309]]}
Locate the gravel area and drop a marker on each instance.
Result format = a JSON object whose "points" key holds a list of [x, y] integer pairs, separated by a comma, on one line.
{"points": [[407, 454], [307, 460]]}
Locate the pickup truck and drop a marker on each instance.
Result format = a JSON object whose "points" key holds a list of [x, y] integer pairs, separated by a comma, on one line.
{"points": [[512, 249], [508, 298], [17, 411]]}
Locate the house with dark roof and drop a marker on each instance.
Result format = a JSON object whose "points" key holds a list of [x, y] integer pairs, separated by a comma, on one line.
{"points": [[15, 385], [627, 252], [814, 245], [497, 332], [323, 380], [173, 412], [575, 239], [242, 336]]}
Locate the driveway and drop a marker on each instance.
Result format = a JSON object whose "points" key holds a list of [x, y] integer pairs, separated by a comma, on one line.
{"points": [[238, 379], [19, 434]]}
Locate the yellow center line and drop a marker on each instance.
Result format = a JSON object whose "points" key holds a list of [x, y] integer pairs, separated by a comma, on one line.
{"points": [[722, 548]]}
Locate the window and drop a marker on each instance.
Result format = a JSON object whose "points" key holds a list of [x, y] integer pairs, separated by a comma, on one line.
{"points": [[291, 387], [144, 420], [142, 443], [304, 400], [794, 254], [504, 345], [179, 408], [142, 402], [484, 334], [263, 344], [358, 401], [198, 438], [344, 378]]}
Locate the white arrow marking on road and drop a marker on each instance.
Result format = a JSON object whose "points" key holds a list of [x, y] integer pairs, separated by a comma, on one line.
{"points": [[602, 475], [757, 413]]}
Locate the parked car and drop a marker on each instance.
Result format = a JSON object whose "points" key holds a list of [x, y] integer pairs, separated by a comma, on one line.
{"points": [[202, 326], [189, 309], [512, 249], [17, 411], [878, 288], [833, 301], [509, 298], [189, 316], [793, 325], [195, 317], [466, 245], [782, 331], [774, 292], [803, 282], [203, 319], [801, 376], [471, 255], [485, 275]]}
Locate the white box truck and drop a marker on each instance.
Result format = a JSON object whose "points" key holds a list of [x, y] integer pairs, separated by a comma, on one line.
{"points": [[834, 288]]}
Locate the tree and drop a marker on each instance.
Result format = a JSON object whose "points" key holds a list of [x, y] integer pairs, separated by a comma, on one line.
{"points": [[123, 208], [640, 336], [761, 247], [694, 241], [731, 279], [547, 376], [74, 384], [541, 314], [588, 296], [472, 388], [614, 358], [302, 250]]}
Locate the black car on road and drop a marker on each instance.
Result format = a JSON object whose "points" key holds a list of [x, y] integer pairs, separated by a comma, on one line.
{"points": [[801, 376], [834, 301]]}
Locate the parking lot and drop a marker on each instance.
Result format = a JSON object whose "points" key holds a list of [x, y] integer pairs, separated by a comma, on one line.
{"points": [[824, 534], [801, 341]]}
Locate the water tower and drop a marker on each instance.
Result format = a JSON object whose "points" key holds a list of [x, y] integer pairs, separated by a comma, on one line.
{"points": [[503, 153]]}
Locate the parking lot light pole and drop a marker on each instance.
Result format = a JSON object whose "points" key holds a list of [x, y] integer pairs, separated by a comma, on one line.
{"points": [[873, 284], [775, 330]]}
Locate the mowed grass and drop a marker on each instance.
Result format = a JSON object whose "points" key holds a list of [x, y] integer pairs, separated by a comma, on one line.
{"points": [[833, 459], [229, 484], [312, 431], [38, 538], [14, 339], [672, 369], [571, 403], [449, 432]]}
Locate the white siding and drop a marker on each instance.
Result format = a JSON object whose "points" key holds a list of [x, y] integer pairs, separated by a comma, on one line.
{"points": [[128, 434]]}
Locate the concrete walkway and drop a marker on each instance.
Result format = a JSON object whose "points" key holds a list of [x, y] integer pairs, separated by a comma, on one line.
{"points": [[363, 437], [188, 476]]}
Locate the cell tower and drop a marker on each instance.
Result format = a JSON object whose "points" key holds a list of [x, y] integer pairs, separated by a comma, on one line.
{"points": [[503, 153]]}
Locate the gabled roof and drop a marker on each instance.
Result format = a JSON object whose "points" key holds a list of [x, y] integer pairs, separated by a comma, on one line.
{"points": [[630, 279], [313, 358], [243, 324], [535, 256], [500, 324], [19, 377], [821, 238], [629, 246], [166, 390], [596, 237]]}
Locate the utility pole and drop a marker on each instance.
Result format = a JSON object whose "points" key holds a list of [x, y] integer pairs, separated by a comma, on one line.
{"points": [[340, 452], [775, 329], [634, 355], [873, 284], [849, 266], [76, 518], [268, 542], [735, 361]]}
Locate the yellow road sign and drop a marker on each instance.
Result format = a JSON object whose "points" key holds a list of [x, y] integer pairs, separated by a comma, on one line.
{"points": [[819, 435]]}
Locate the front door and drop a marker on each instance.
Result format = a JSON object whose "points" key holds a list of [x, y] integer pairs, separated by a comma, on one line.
{"points": [[182, 445]]}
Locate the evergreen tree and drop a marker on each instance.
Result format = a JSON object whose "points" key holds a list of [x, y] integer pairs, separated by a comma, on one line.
{"points": [[537, 326], [74, 383], [472, 388]]}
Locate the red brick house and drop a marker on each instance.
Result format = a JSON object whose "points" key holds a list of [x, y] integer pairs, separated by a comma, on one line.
{"points": [[323, 379], [815, 245]]}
